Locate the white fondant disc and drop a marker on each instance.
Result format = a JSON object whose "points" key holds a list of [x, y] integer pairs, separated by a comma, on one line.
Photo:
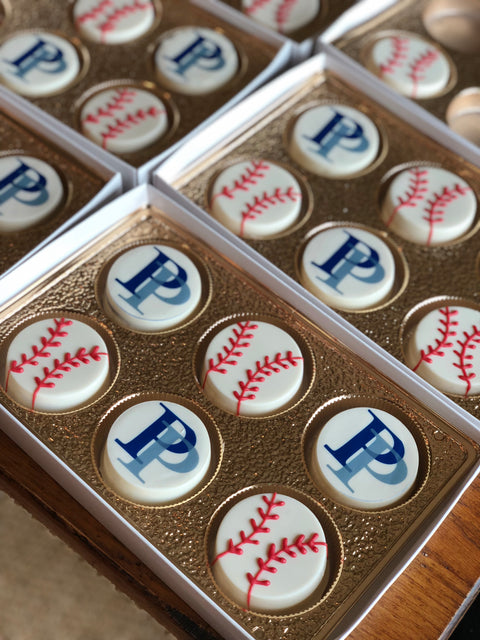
{"points": [[113, 21], [195, 60], [348, 268], [334, 140], [444, 349], [413, 66], [289, 541], [252, 368], [429, 205], [56, 364], [30, 190], [38, 63], [283, 16], [156, 452], [124, 119], [367, 458], [256, 199], [153, 287]]}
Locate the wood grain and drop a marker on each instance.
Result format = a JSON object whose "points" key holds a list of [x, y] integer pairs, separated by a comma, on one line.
{"points": [[425, 602]]}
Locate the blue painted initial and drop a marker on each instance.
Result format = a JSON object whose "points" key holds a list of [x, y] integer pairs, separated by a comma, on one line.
{"points": [[24, 184], [340, 131], [202, 53], [43, 55], [369, 446]]}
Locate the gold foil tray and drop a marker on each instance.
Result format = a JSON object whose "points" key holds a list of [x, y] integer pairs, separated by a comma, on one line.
{"points": [[269, 453]]}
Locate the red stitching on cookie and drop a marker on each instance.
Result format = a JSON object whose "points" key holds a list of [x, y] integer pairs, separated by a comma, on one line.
{"points": [[95, 12], [436, 206], [132, 119], [246, 180], [242, 334], [419, 66], [414, 194], [256, 5], [283, 13], [470, 342], [260, 205], [116, 103], [111, 20], [446, 331], [398, 55]]}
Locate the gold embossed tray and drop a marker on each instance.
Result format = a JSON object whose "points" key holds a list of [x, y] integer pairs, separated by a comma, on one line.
{"points": [[367, 549], [448, 271]]}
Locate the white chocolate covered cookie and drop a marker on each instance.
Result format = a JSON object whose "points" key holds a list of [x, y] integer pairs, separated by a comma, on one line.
{"points": [[366, 458], [195, 60], [270, 553], [38, 63], [113, 21], [444, 349], [256, 199], [348, 268], [30, 190], [429, 205], [124, 119], [334, 140], [252, 368], [156, 452], [57, 364], [283, 16]]}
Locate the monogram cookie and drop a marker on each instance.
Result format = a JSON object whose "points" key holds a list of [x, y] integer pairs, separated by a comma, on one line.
{"points": [[283, 16], [56, 364], [270, 553], [30, 190], [348, 268], [38, 63], [256, 199], [156, 452], [113, 21], [444, 349], [252, 368], [429, 205], [366, 458], [195, 60], [153, 287], [124, 119], [415, 67], [334, 140]]}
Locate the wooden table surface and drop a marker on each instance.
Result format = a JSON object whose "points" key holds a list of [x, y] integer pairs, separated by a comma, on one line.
{"points": [[426, 601]]}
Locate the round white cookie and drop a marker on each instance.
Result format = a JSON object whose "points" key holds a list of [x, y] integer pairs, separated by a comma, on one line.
{"points": [[348, 268], [38, 63], [283, 16], [252, 368], [366, 458], [270, 553], [415, 67], [444, 349], [153, 287], [113, 21], [429, 205], [256, 199], [195, 60], [334, 140], [30, 190], [56, 364], [156, 452], [124, 119]]}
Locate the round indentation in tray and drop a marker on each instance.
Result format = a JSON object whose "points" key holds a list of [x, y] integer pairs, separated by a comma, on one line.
{"points": [[253, 366], [454, 23], [366, 453], [274, 551], [58, 362], [157, 449], [463, 114]]}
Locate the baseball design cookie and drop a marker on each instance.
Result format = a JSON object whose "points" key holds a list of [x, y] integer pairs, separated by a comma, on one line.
{"points": [[334, 140], [256, 199], [366, 458], [153, 287], [195, 60], [415, 67], [124, 119], [429, 205], [38, 63], [57, 364], [252, 368], [113, 21], [348, 268], [270, 553], [156, 452], [30, 190], [283, 16], [444, 349]]}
